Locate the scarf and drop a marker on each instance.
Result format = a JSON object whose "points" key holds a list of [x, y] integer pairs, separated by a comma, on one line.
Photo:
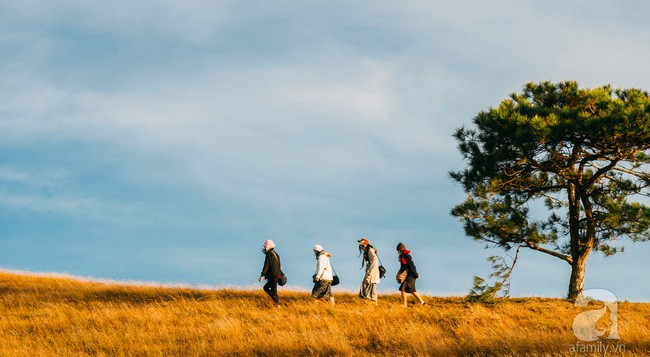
{"points": [[323, 252], [401, 256]]}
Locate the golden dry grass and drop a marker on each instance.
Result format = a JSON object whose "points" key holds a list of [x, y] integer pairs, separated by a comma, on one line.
{"points": [[46, 316]]}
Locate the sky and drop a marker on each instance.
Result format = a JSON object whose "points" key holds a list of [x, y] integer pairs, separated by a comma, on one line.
{"points": [[165, 141]]}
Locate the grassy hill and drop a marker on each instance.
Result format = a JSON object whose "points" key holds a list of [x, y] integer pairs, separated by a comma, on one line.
{"points": [[45, 316]]}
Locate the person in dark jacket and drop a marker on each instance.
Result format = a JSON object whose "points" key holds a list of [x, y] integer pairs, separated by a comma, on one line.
{"points": [[271, 271], [407, 274]]}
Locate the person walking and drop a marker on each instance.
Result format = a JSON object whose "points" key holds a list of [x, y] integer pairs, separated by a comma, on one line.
{"points": [[323, 277], [368, 290], [407, 274], [272, 270]]}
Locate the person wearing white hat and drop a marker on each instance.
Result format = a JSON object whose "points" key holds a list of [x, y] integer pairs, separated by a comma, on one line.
{"points": [[272, 270], [323, 277]]}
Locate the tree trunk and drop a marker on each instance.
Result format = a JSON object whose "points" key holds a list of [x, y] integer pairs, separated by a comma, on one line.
{"points": [[580, 248], [577, 281], [579, 259]]}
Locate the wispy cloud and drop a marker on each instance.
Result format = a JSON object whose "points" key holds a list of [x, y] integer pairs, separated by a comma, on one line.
{"points": [[42, 192], [40, 203]]}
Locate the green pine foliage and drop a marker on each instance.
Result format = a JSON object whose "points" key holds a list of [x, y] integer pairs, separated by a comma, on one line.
{"points": [[584, 154]]}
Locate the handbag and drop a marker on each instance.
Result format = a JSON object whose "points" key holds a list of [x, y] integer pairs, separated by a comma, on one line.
{"points": [[335, 278], [401, 277], [382, 270], [282, 279]]}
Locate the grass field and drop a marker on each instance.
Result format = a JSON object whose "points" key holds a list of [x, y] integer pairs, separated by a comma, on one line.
{"points": [[46, 316]]}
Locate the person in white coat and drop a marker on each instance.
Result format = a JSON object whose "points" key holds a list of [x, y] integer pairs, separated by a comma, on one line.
{"points": [[323, 277], [368, 290]]}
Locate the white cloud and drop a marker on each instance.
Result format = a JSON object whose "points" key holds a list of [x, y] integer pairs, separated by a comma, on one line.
{"points": [[364, 99], [330, 115], [42, 192], [298, 120], [28, 179], [194, 21], [34, 202]]}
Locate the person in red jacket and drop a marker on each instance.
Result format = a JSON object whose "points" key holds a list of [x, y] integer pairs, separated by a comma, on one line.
{"points": [[407, 274]]}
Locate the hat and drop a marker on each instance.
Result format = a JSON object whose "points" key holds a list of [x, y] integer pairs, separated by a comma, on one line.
{"points": [[269, 244], [363, 241], [318, 248]]}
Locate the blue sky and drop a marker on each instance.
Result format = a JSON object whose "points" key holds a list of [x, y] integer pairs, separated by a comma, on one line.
{"points": [[165, 141]]}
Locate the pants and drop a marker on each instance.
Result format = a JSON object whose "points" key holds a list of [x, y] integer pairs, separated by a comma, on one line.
{"points": [[368, 291], [322, 289], [271, 288]]}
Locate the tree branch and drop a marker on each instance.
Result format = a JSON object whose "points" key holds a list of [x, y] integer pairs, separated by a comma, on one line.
{"points": [[645, 177], [601, 171], [535, 190], [553, 198], [536, 247]]}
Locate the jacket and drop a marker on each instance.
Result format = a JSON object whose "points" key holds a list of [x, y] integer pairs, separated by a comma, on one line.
{"points": [[324, 267], [406, 263], [272, 267], [372, 266]]}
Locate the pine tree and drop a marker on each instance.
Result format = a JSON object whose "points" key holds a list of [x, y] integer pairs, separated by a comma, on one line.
{"points": [[582, 153]]}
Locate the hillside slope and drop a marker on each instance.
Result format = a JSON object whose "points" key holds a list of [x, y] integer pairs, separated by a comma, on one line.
{"points": [[46, 316]]}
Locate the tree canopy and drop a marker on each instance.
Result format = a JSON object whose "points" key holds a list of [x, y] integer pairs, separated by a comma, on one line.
{"points": [[583, 153]]}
